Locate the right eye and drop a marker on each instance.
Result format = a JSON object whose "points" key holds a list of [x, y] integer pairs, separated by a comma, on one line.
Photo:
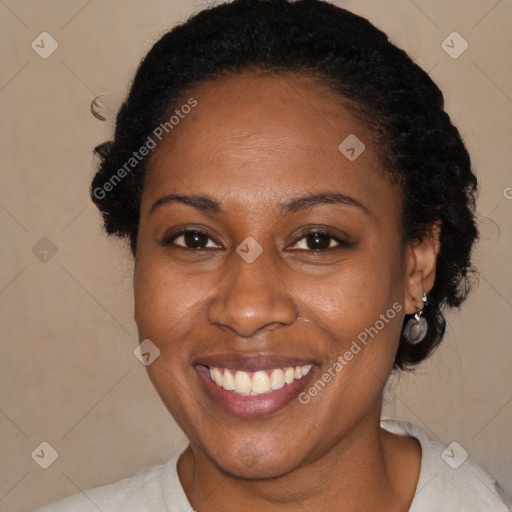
{"points": [[191, 240]]}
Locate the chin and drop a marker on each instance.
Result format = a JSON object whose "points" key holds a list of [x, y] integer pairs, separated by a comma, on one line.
{"points": [[248, 460], [254, 470]]}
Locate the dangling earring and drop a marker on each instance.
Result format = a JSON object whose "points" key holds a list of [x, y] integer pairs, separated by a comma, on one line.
{"points": [[416, 328]]}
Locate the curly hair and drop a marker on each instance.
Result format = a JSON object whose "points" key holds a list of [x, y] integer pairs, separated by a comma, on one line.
{"points": [[403, 108]]}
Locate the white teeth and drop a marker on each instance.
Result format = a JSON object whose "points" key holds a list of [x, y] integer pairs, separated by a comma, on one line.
{"points": [[217, 376], [241, 382], [228, 381], [260, 383], [277, 379], [289, 375], [305, 369]]}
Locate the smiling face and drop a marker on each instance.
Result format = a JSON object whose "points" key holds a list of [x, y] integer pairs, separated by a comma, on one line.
{"points": [[255, 166]]}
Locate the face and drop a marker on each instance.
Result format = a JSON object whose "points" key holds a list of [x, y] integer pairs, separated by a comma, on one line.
{"points": [[264, 257]]}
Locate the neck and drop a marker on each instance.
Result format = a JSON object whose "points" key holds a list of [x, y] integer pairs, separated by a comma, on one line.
{"points": [[369, 469]]}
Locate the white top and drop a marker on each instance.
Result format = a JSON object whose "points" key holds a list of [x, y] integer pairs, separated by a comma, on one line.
{"points": [[448, 482]]}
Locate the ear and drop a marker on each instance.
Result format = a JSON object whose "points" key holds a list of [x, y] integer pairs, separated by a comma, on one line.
{"points": [[421, 258]]}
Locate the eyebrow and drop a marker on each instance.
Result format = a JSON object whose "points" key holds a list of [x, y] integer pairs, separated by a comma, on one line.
{"points": [[293, 205], [203, 203], [309, 201]]}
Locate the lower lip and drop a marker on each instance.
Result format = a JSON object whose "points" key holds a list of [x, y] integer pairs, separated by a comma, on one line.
{"points": [[257, 406]]}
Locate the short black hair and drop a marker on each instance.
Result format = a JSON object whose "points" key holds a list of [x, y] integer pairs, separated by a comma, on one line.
{"points": [[399, 103]]}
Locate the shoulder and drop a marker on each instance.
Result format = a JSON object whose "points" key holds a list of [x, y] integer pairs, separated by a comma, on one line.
{"points": [[449, 479], [142, 492], [126, 494]]}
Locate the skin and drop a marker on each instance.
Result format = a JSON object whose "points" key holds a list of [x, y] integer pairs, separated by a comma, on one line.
{"points": [[252, 143]]}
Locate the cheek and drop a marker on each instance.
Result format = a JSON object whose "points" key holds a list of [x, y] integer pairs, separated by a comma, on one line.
{"points": [[165, 300], [353, 296], [167, 307], [359, 308]]}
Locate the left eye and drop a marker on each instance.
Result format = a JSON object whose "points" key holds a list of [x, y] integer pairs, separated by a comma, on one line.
{"points": [[318, 241]]}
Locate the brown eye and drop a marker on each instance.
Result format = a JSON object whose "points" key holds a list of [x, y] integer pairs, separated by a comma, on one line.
{"points": [[191, 240], [195, 240], [319, 241]]}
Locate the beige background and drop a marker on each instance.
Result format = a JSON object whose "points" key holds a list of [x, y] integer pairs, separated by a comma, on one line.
{"points": [[68, 375]]}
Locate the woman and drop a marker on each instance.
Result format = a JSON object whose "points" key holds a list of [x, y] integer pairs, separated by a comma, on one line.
{"points": [[300, 209]]}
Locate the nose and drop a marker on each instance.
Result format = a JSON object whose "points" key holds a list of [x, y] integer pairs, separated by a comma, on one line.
{"points": [[251, 299]]}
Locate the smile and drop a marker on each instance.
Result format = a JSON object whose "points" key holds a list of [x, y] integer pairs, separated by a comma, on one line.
{"points": [[259, 382]]}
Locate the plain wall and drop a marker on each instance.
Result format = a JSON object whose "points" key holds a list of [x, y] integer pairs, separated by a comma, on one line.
{"points": [[68, 375]]}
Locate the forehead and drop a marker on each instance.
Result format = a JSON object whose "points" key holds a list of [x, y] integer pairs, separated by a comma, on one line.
{"points": [[264, 135]]}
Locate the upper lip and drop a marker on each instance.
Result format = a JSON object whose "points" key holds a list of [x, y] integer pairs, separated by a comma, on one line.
{"points": [[250, 362]]}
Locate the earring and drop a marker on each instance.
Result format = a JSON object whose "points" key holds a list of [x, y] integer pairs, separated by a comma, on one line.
{"points": [[416, 328]]}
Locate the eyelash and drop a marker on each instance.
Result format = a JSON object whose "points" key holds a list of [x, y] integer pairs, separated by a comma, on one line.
{"points": [[341, 242]]}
